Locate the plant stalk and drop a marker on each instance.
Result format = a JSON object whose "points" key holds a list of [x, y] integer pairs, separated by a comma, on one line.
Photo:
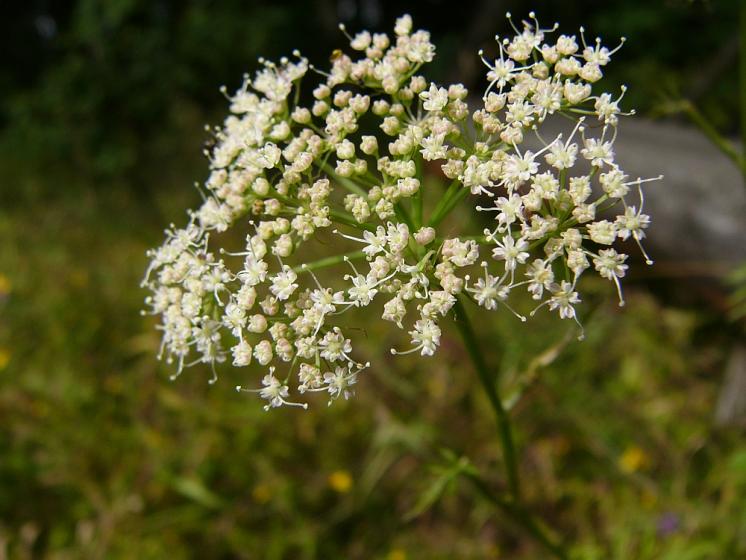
{"points": [[489, 385], [723, 144], [512, 506], [346, 219], [742, 86], [329, 261], [417, 199], [521, 516], [453, 195]]}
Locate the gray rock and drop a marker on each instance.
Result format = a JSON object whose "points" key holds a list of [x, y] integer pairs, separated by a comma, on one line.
{"points": [[699, 209]]}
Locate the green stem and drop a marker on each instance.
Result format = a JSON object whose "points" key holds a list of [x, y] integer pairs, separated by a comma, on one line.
{"points": [[520, 515], [417, 199], [742, 97], [489, 385], [329, 261], [444, 200], [715, 137], [348, 184], [455, 193], [348, 220], [462, 192], [402, 216]]}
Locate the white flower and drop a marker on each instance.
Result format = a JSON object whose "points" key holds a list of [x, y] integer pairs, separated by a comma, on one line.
{"points": [[632, 223], [460, 253], [562, 156], [520, 113], [610, 264], [246, 296], [563, 298], [546, 186], [283, 283], [379, 267], [339, 167], [403, 25], [486, 291], [263, 352], [433, 147], [509, 209], [394, 310], [345, 149], [424, 235], [339, 382], [600, 153], [566, 45], [309, 377], [363, 290], [435, 99], [326, 301], [440, 303], [334, 346], [397, 237], [361, 41], [511, 251], [369, 145], [577, 261], [598, 54], [257, 323], [602, 232], [500, 73], [254, 272], [606, 109], [579, 189], [575, 93], [273, 391], [235, 318], [425, 336], [613, 183], [376, 242], [306, 347], [518, 169], [541, 277], [241, 354]]}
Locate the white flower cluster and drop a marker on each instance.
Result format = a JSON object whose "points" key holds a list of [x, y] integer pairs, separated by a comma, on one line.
{"points": [[350, 161]]}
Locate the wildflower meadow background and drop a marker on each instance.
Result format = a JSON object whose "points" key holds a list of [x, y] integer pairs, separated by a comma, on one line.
{"points": [[630, 443]]}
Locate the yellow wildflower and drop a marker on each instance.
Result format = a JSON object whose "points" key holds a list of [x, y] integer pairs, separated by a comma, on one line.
{"points": [[261, 493], [633, 459], [5, 285], [340, 481]]}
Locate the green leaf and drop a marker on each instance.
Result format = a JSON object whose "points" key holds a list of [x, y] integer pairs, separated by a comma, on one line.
{"points": [[193, 489], [529, 375], [445, 476]]}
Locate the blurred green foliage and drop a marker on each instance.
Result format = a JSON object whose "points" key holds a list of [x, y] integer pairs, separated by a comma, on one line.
{"points": [[118, 76], [108, 87], [102, 457]]}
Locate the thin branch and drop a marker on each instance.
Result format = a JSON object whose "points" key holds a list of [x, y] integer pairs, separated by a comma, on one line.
{"points": [[488, 381]]}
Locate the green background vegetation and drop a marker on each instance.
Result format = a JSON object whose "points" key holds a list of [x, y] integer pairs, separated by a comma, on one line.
{"points": [[102, 105]]}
